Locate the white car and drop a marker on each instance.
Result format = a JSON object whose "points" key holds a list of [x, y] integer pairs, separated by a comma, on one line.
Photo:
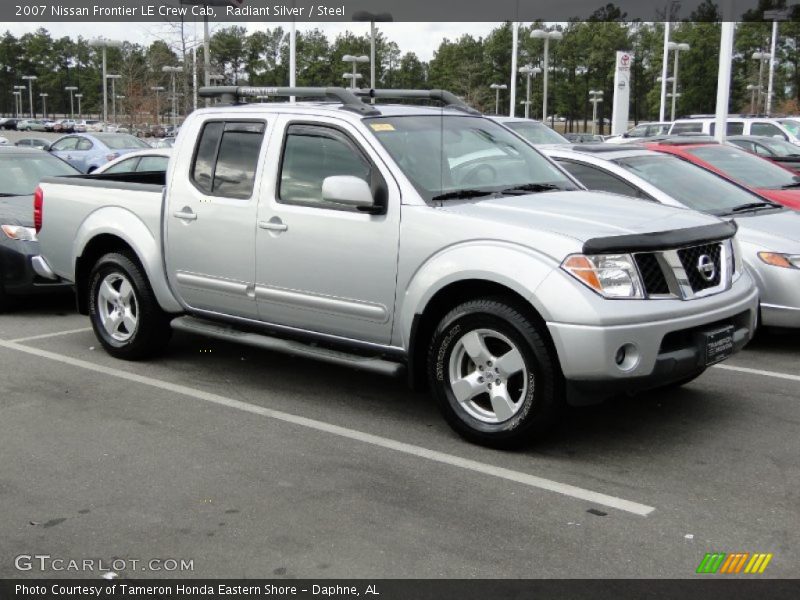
{"points": [[641, 131], [735, 126], [143, 161], [3, 141]]}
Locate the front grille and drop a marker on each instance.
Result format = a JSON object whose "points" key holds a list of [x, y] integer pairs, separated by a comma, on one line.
{"points": [[653, 279], [698, 261]]}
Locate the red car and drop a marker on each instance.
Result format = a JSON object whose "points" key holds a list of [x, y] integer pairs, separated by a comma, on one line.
{"points": [[758, 174]]}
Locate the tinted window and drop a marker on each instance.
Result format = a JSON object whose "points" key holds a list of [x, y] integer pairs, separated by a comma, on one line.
{"points": [[153, 163], [595, 178], [767, 129], [226, 158], [687, 128], [689, 184], [735, 128], [124, 166], [310, 155], [745, 167]]}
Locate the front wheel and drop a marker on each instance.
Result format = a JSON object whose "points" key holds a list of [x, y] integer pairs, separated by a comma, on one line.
{"points": [[123, 310], [495, 380]]}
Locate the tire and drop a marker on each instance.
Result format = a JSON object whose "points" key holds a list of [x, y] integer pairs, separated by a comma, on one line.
{"points": [[123, 310], [478, 344]]}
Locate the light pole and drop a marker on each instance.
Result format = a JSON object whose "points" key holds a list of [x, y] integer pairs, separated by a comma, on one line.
{"points": [[529, 72], [157, 89], [497, 87], [104, 43], [753, 89], [678, 48], [19, 90], [71, 89], [761, 57], [353, 78], [595, 97], [541, 34], [172, 71], [119, 97], [30, 79], [113, 79], [354, 60], [43, 96], [373, 18], [80, 113]]}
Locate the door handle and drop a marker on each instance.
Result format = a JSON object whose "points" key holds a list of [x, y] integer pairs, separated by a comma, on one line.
{"points": [[273, 225], [186, 214]]}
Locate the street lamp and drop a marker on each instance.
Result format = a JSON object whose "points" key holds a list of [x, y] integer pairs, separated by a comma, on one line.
{"points": [[678, 48], [17, 102], [19, 89], [497, 87], [529, 72], [595, 97], [31, 79], [373, 18], [71, 89], [118, 97], [753, 89], [80, 113], [113, 78], [157, 89], [761, 57], [43, 96], [354, 60], [172, 71], [542, 34], [104, 43], [353, 78]]}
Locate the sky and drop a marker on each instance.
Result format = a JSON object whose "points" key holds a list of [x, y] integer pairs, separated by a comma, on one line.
{"points": [[421, 38]]}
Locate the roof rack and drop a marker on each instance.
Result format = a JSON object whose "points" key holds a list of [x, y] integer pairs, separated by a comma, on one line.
{"points": [[233, 94], [449, 99]]}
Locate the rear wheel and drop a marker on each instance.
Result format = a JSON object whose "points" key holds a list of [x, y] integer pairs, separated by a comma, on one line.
{"points": [[123, 310], [494, 378]]}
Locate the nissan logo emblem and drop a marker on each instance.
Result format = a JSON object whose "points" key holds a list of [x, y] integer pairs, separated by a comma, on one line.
{"points": [[706, 268]]}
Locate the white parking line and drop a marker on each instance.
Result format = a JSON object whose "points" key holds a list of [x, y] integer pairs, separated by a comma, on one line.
{"points": [[774, 374], [49, 335], [367, 438]]}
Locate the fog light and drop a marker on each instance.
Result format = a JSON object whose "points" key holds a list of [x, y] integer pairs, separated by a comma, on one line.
{"points": [[627, 357]]}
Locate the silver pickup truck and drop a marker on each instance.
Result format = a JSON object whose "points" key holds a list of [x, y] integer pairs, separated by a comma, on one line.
{"points": [[399, 238]]}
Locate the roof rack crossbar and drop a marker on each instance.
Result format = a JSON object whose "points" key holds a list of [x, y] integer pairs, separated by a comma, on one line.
{"points": [[233, 94], [449, 99]]}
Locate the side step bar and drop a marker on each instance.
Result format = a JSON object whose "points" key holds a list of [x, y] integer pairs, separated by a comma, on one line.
{"points": [[265, 342]]}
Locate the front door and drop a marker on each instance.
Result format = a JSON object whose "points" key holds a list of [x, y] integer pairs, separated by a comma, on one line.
{"points": [[319, 266], [211, 217]]}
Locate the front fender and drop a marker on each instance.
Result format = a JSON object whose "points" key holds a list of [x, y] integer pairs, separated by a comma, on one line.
{"points": [[516, 267], [122, 223]]}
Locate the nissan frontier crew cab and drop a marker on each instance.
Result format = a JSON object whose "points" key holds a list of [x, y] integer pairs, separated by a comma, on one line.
{"points": [[399, 238]]}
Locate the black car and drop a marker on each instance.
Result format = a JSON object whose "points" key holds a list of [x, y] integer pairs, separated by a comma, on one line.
{"points": [[9, 123], [40, 143], [777, 150], [21, 170]]}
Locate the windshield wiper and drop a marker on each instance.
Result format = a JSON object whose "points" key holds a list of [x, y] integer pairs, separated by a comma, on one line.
{"points": [[789, 186], [531, 187], [5, 195], [463, 194], [754, 206]]}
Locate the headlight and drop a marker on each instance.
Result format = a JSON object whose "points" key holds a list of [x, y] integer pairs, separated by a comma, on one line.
{"points": [[787, 261], [18, 232], [610, 275]]}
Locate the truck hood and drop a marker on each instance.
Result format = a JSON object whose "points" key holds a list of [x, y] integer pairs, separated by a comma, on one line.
{"points": [[581, 214], [772, 232], [16, 210]]}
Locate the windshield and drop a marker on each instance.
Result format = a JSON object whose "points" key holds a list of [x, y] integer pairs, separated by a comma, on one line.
{"points": [[745, 167], [449, 154], [780, 147], [536, 133], [121, 141], [689, 184], [792, 125], [21, 173]]}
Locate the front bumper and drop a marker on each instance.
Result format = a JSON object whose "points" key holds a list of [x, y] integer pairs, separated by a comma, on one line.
{"points": [[666, 350], [17, 274]]}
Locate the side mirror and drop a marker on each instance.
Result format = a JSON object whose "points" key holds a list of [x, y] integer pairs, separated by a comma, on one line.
{"points": [[626, 135], [348, 191]]}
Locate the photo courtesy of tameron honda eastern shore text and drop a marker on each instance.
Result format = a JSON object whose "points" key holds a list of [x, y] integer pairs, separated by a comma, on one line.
{"points": [[399, 238]]}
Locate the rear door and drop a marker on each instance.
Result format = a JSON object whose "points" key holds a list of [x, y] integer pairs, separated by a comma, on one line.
{"points": [[211, 215], [319, 266]]}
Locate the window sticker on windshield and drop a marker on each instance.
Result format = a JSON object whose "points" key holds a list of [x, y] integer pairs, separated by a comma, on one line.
{"points": [[381, 126]]}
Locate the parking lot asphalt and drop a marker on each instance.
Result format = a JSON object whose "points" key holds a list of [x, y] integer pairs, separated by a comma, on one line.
{"points": [[255, 464]]}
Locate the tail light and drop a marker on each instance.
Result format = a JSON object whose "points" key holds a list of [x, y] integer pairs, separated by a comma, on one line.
{"points": [[38, 207]]}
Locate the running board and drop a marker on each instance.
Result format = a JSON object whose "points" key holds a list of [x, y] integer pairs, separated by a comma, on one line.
{"points": [[265, 342]]}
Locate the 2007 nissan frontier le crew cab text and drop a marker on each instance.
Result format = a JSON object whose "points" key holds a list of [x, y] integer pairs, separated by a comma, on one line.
{"points": [[399, 238]]}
